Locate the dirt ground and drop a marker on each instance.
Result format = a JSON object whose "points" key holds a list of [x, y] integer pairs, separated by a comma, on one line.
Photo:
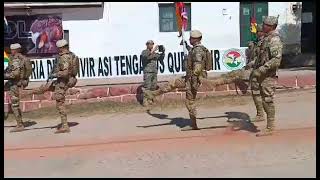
{"points": [[114, 140]]}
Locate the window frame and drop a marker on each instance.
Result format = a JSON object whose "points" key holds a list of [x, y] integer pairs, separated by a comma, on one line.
{"points": [[174, 19]]}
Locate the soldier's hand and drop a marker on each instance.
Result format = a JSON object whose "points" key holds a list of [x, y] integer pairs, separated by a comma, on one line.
{"points": [[156, 47]]}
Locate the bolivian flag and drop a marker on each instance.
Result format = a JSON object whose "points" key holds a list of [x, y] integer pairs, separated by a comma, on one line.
{"points": [[6, 59], [253, 28], [182, 18]]}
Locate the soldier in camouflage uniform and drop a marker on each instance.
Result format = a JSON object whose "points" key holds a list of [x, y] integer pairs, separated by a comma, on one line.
{"points": [[60, 86], [150, 70], [265, 69], [194, 74], [14, 75], [244, 74]]}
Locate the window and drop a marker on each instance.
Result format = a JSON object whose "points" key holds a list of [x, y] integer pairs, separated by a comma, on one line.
{"points": [[167, 17], [66, 36]]}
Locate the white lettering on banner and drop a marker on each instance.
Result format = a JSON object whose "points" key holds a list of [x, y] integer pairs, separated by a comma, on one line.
{"points": [[131, 65]]}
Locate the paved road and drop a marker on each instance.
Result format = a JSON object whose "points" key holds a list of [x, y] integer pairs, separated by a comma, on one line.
{"points": [[152, 145]]}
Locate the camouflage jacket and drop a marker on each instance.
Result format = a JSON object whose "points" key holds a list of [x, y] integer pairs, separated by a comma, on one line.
{"points": [[253, 53], [195, 60], [14, 71], [149, 61], [63, 67], [270, 54]]}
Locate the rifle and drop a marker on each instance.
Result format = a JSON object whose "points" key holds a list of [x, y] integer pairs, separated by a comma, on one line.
{"points": [[55, 62]]}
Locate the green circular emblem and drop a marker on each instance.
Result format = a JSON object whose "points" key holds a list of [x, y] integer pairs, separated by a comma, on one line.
{"points": [[233, 59]]}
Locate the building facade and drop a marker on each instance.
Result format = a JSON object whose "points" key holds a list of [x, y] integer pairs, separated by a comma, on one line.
{"points": [[109, 37]]}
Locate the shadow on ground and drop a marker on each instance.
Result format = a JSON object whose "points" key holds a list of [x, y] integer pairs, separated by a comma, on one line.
{"points": [[238, 120], [25, 123], [31, 123]]}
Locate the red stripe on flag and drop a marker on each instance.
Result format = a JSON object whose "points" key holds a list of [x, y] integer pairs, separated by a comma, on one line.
{"points": [[182, 18]]}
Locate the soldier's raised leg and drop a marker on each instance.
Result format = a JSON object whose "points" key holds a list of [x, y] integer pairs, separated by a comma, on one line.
{"points": [[268, 90], [170, 86], [226, 78], [43, 88]]}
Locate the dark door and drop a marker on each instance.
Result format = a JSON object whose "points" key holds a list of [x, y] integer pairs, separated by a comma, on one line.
{"points": [[308, 27], [248, 10]]}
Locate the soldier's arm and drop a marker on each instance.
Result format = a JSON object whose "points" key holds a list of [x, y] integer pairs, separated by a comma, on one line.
{"points": [[149, 55], [63, 67], [275, 54], [197, 61]]}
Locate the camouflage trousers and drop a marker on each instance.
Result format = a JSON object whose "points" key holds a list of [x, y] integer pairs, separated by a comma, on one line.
{"points": [[149, 84], [191, 84], [59, 89], [230, 77], [150, 81], [14, 92], [265, 87]]}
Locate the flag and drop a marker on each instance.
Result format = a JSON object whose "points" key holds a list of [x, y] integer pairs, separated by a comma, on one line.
{"points": [[182, 18], [253, 28], [6, 58]]}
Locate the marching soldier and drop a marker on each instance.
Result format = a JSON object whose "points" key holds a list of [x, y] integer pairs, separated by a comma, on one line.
{"points": [[195, 72], [244, 74], [265, 71], [65, 71], [18, 78]]}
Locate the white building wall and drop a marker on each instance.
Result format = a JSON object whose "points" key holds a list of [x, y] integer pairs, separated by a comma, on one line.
{"points": [[289, 27], [125, 27], [122, 28]]}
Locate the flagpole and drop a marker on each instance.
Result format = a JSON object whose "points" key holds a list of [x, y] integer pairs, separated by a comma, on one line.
{"points": [[183, 44]]}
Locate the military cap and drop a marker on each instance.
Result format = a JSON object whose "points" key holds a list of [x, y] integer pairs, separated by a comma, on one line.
{"points": [[195, 34], [149, 42], [61, 43], [259, 28], [270, 20], [15, 46]]}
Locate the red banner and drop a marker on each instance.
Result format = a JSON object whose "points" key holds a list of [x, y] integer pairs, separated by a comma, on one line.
{"points": [[182, 18]]}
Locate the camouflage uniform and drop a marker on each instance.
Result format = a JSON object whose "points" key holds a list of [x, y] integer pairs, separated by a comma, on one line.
{"points": [[150, 71], [254, 85], [265, 70], [194, 74], [14, 74], [60, 86]]}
